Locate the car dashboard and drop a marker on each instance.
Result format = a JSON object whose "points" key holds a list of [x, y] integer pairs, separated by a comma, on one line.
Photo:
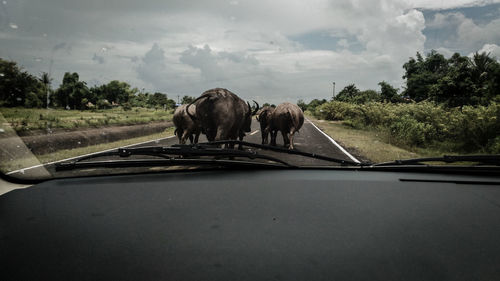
{"points": [[281, 224]]}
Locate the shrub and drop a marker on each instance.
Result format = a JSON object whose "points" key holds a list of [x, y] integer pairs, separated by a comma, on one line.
{"points": [[126, 106], [103, 104], [32, 101], [422, 124]]}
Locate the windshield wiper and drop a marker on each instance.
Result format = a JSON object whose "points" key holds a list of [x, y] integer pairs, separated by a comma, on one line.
{"points": [[285, 150], [185, 151], [482, 159]]}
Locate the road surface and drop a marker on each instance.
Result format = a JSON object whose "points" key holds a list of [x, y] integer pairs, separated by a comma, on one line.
{"points": [[309, 139]]}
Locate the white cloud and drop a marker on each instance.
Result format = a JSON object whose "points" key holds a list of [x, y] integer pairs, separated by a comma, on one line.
{"points": [[189, 46], [492, 49], [449, 4], [460, 33]]}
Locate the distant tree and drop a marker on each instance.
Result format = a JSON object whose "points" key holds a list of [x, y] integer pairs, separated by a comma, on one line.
{"points": [[187, 99], [103, 104], [347, 94], [456, 86], [170, 104], [389, 93], [366, 96], [15, 84], [157, 99], [421, 74], [72, 91], [485, 72], [46, 80], [315, 103], [116, 91], [302, 104], [32, 101], [266, 104]]}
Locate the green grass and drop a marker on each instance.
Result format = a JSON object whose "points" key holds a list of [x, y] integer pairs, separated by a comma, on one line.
{"points": [[7, 166], [26, 119]]}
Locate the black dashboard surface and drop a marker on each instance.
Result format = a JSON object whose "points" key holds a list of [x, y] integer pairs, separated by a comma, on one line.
{"points": [[253, 225]]}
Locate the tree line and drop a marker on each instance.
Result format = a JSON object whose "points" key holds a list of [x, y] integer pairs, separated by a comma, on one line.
{"points": [[453, 82], [20, 88]]}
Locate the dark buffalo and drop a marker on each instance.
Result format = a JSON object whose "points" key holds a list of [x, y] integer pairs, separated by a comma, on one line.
{"points": [[185, 127], [222, 115], [287, 118], [263, 116]]}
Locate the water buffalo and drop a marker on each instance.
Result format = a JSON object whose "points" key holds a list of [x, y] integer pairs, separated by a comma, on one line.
{"points": [[184, 126], [287, 118], [222, 115], [263, 116]]}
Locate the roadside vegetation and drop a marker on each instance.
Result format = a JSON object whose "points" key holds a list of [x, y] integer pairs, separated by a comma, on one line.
{"points": [[448, 106], [29, 102], [28, 119]]}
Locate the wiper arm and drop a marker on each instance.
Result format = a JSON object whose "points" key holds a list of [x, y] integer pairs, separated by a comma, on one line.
{"points": [[178, 150], [160, 162], [482, 159], [284, 150]]}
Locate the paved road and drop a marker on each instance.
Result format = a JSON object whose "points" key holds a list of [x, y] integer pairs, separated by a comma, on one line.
{"points": [[309, 139]]}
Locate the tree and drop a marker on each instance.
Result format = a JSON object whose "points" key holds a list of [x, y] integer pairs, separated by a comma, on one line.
{"points": [[485, 75], [116, 91], [170, 104], [347, 94], [389, 93], [46, 80], [366, 96], [158, 99], [187, 99], [15, 84], [140, 100], [32, 101], [315, 103], [421, 74], [72, 92], [302, 104]]}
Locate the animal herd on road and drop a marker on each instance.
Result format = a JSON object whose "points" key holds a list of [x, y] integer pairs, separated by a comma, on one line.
{"points": [[221, 115]]}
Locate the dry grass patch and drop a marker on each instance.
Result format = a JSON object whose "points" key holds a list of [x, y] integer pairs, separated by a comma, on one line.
{"points": [[367, 145]]}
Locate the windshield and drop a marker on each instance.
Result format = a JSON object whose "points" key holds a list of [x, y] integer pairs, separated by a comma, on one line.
{"points": [[361, 82]]}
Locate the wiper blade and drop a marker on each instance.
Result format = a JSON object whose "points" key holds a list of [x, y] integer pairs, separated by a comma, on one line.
{"points": [[482, 159], [287, 151], [66, 166], [178, 150]]}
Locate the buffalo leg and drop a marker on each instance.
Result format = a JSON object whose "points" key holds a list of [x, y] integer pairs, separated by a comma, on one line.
{"points": [[180, 132], [191, 138], [292, 134], [264, 136], [242, 134], [286, 141], [274, 133], [196, 137], [184, 137]]}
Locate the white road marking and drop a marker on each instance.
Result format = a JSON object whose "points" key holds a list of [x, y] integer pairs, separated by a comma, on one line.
{"points": [[253, 133], [334, 142], [71, 158]]}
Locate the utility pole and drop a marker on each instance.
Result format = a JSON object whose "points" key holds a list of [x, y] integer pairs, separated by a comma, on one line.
{"points": [[333, 89], [178, 99]]}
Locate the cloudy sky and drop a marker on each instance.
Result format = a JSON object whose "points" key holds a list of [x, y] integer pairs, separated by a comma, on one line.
{"points": [[271, 51]]}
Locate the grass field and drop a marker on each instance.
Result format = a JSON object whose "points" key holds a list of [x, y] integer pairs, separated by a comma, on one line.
{"points": [[26, 119]]}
